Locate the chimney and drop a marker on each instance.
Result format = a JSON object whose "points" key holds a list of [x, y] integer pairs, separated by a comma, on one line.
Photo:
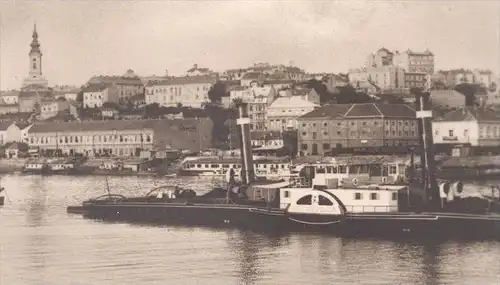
{"points": [[195, 66], [431, 198], [243, 122]]}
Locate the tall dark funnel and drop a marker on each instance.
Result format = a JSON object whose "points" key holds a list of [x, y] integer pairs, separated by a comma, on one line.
{"points": [[430, 189], [243, 122]]}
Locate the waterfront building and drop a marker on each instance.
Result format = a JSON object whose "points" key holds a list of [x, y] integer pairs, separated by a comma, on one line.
{"points": [[11, 131], [186, 91], [95, 95], [120, 137], [35, 77], [128, 85], [367, 125], [472, 126], [282, 114]]}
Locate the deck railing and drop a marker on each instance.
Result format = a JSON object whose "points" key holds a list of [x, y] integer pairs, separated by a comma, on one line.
{"points": [[371, 209]]}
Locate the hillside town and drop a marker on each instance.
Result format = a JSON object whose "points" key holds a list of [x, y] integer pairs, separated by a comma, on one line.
{"points": [[292, 112]]}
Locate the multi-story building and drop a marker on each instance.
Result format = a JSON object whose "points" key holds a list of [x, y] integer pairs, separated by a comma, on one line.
{"points": [[258, 99], [279, 84], [383, 57], [10, 97], [95, 95], [308, 94], [282, 114], [477, 127], [417, 80], [120, 137], [411, 61], [356, 126], [198, 71], [185, 91], [128, 85], [11, 131], [483, 77], [30, 100], [50, 108], [385, 77]]}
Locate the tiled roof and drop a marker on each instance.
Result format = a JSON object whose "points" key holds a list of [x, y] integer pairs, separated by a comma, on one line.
{"points": [[251, 75], [10, 93], [328, 111], [261, 135], [185, 80], [29, 94], [109, 125], [98, 87], [370, 110], [471, 114], [279, 81], [119, 80], [291, 102]]}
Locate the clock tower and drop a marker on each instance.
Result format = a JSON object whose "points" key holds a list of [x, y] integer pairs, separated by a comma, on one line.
{"points": [[35, 80]]}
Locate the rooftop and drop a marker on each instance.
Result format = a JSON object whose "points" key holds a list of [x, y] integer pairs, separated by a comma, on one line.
{"points": [[364, 110], [185, 80], [470, 114], [291, 102]]}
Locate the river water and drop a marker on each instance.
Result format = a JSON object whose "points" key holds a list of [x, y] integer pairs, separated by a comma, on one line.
{"points": [[41, 244]]}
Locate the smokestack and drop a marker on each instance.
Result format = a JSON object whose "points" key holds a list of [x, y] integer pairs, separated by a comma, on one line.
{"points": [[431, 198], [243, 122]]}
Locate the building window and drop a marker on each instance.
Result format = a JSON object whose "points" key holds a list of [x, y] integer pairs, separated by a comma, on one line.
{"points": [[358, 196], [373, 196], [450, 132], [287, 194], [306, 200], [326, 146], [392, 170], [304, 146]]}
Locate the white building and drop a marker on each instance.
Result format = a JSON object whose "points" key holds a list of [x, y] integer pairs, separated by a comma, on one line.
{"points": [[385, 77], [95, 95], [282, 114], [185, 91], [51, 108], [10, 97], [13, 132], [468, 126]]}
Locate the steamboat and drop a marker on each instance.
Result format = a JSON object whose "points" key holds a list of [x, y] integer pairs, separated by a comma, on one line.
{"points": [[318, 200]]}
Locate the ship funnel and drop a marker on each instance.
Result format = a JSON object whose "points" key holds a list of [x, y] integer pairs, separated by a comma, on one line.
{"points": [[243, 122], [424, 119]]}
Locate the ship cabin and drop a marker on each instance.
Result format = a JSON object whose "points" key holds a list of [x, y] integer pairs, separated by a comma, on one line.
{"points": [[375, 198], [35, 164], [355, 169], [61, 164], [263, 166]]}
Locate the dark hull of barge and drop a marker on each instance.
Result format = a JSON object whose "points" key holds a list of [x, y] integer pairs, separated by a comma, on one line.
{"points": [[273, 220]]}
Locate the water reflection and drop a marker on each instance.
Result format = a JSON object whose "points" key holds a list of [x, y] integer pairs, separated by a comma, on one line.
{"points": [[42, 244]]}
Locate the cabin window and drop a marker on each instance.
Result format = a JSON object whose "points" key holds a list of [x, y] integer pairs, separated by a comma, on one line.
{"points": [[323, 201], [287, 194], [320, 169], [199, 165], [328, 169], [342, 169], [373, 196], [225, 166], [358, 196], [392, 169], [306, 200], [215, 166], [394, 196]]}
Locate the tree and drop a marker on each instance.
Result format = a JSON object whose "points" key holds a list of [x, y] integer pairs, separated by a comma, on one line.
{"points": [[349, 95], [469, 91], [321, 89], [216, 92]]}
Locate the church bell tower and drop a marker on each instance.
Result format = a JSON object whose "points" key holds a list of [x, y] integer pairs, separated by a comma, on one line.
{"points": [[35, 77]]}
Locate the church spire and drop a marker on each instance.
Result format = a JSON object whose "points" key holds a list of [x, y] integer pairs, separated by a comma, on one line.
{"points": [[35, 45]]}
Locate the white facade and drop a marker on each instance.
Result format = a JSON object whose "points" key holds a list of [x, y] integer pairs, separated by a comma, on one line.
{"points": [[385, 77], [284, 111], [51, 108], [11, 134], [95, 98], [455, 132], [10, 97], [173, 92]]}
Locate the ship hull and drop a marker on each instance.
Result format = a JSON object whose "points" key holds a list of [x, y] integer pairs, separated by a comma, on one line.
{"points": [[386, 225]]}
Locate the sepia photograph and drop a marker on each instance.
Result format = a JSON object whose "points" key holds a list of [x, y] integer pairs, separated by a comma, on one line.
{"points": [[249, 142]]}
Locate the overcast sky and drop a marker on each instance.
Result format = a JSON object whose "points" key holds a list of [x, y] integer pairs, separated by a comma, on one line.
{"points": [[84, 38]]}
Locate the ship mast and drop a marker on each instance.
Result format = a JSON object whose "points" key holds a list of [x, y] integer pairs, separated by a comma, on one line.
{"points": [[431, 198]]}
